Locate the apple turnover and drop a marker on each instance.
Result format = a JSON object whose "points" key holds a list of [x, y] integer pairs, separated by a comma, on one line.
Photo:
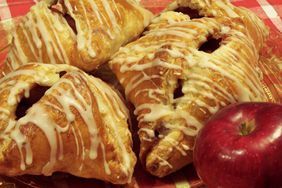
{"points": [[81, 33], [182, 71], [57, 118]]}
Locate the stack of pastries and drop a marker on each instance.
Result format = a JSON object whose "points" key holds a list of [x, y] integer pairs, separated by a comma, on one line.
{"points": [[177, 69], [193, 60]]}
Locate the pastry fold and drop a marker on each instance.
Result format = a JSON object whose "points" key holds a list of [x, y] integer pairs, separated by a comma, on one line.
{"points": [[223, 8], [82, 33], [57, 118], [181, 72]]}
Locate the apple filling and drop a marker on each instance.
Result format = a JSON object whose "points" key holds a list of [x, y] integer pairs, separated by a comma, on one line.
{"points": [[35, 94], [211, 45], [178, 90], [59, 8], [192, 13]]}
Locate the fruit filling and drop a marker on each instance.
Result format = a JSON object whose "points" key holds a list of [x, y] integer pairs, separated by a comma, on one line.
{"points": [[58, 8], [36, 93], [211, 45], [178, 90], [192, 13]]}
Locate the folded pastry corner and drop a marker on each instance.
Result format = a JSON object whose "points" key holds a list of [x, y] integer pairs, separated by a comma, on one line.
{"points": [[255, 27], [57, 118], [81, 33], [183, 70]]}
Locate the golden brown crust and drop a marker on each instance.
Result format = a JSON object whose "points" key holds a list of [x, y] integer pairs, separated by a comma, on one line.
{"points": [[180, 73], [78, 126], [81, 33], [223, 8]]}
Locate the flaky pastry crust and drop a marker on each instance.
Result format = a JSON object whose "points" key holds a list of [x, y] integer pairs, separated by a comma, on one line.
{"points": [[78, 126], [183, 70], [82, 33]]}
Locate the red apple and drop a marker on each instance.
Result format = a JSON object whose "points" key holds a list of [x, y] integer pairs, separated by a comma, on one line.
{"points": [[241, 146]]}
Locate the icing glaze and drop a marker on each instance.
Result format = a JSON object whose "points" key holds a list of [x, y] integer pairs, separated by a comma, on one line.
{"points": [[150, 67], [46, 34], [74, 93]]}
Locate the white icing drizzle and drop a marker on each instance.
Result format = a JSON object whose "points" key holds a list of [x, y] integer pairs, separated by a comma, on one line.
{"points": [[163, 162], [186, 147], [176, 33], [83, 151], [112, 114], [37, 32], [21, 25], [196, 81], [12, 130], [106, 166], [227, 9], [47, 76], [67, 92], [157, 111], [153, 94], [96, 10], [19, 86], [150, 133], [116, 8], [39, 117], [88, 44], [61, 53], [137, 81], [176, 145], [18, 50], [142, 67], [76, 141], [29, 22], [110, 24], [181, 40], [101, 18], [4, 111], [72, 98], [111, 14], [45, 36]]}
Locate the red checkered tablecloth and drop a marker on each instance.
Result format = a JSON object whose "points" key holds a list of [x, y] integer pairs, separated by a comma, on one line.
{"points": [[269, 10]]}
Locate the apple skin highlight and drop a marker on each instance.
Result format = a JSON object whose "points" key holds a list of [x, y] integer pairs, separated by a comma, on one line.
{"points": [[241, 147]]}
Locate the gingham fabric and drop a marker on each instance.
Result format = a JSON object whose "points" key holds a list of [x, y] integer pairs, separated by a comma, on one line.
{"points": [[269, 10]]}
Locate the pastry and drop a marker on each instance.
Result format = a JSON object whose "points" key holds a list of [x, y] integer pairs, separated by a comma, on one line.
{"points": [[219, 8], [81, 33], [182, 71], [57, 118]]}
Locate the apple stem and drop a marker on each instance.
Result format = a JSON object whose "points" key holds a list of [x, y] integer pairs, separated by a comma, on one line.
{"points": [[246, 128]]}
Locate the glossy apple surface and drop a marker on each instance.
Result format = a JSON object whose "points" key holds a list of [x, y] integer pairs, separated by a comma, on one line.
{"points": [[241, 146]]}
